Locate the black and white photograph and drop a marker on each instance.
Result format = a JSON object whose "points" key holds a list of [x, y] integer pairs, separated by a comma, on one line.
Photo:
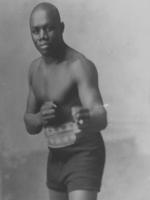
{"points": [[74, 100]]}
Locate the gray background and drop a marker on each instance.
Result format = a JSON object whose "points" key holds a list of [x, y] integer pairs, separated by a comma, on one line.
{"points": [[116, 36]]}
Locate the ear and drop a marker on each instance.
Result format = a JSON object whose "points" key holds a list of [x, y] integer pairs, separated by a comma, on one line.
{"points": [[62, 27]]}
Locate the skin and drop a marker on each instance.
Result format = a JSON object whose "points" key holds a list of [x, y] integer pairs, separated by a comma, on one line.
{"points": [[61, 76]]}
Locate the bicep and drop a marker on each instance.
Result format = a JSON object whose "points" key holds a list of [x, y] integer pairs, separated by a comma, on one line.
{"points": [[32, 103], [88, 88]]}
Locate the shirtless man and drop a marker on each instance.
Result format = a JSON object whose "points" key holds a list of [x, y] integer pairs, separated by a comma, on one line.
{"points": [[64, 78]]}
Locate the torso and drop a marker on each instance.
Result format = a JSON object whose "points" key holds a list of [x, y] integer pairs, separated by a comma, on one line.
{"points": [[56, 82]]}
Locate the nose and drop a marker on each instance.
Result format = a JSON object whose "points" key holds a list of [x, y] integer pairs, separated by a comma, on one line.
{"points": [[43, 34]]}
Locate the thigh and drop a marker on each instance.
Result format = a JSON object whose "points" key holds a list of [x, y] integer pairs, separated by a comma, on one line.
{"points": [[82, 195], [56, 195]]}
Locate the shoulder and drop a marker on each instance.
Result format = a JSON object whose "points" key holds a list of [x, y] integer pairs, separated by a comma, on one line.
{"points": [[82, 67], [33, 68], [34, 65]]}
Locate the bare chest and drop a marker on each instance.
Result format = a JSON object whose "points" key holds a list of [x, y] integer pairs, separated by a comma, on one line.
{"points": [[53, 84]]}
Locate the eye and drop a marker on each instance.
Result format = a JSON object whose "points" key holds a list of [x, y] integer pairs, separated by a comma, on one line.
{"points": [[50, 28], [35, 30]]}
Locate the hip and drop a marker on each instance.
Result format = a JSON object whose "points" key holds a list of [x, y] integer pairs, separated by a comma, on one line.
{"points": [[85, 143]]}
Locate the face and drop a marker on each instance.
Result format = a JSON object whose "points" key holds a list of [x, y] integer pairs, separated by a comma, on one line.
{"points": [[46, 32]]}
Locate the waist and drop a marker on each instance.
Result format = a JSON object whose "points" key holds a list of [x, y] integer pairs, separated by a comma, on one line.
{"points": [[85, 143], [69, 134], [61, 136]]}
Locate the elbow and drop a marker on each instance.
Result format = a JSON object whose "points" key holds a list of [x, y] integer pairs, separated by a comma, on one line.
{"points": [[30, 130], [104, 122]]}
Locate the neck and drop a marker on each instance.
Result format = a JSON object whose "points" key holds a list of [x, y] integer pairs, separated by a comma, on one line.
{"points": [[57, 55]]}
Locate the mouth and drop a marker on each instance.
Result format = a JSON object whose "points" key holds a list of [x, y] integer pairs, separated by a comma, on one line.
{"points": [[44, 46]]}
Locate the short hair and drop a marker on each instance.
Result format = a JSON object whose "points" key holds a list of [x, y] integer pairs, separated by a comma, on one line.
{"points": [[49, 7]]}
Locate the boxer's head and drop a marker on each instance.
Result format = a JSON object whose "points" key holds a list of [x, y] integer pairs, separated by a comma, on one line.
{"points": [[46, 28]]}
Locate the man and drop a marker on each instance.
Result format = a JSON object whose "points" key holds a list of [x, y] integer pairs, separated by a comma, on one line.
{"points": [[63, 90]]}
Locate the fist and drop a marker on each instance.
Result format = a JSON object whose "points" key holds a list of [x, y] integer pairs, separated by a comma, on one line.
{"points": [[48, 113], [81, 116]]}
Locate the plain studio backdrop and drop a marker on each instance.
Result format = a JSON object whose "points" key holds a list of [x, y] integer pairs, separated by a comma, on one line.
{"points": [[115, 35]]}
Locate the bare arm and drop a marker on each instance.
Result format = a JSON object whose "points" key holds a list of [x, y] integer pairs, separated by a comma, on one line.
{"points": [[32, 117], [90, 96], [36, 115]]}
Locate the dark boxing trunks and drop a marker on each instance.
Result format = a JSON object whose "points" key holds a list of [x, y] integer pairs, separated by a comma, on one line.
{"points": [[78, 166]]}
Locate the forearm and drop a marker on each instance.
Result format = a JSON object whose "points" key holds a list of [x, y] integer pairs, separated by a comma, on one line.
{"points": [[33, 123], [98, 118]]}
